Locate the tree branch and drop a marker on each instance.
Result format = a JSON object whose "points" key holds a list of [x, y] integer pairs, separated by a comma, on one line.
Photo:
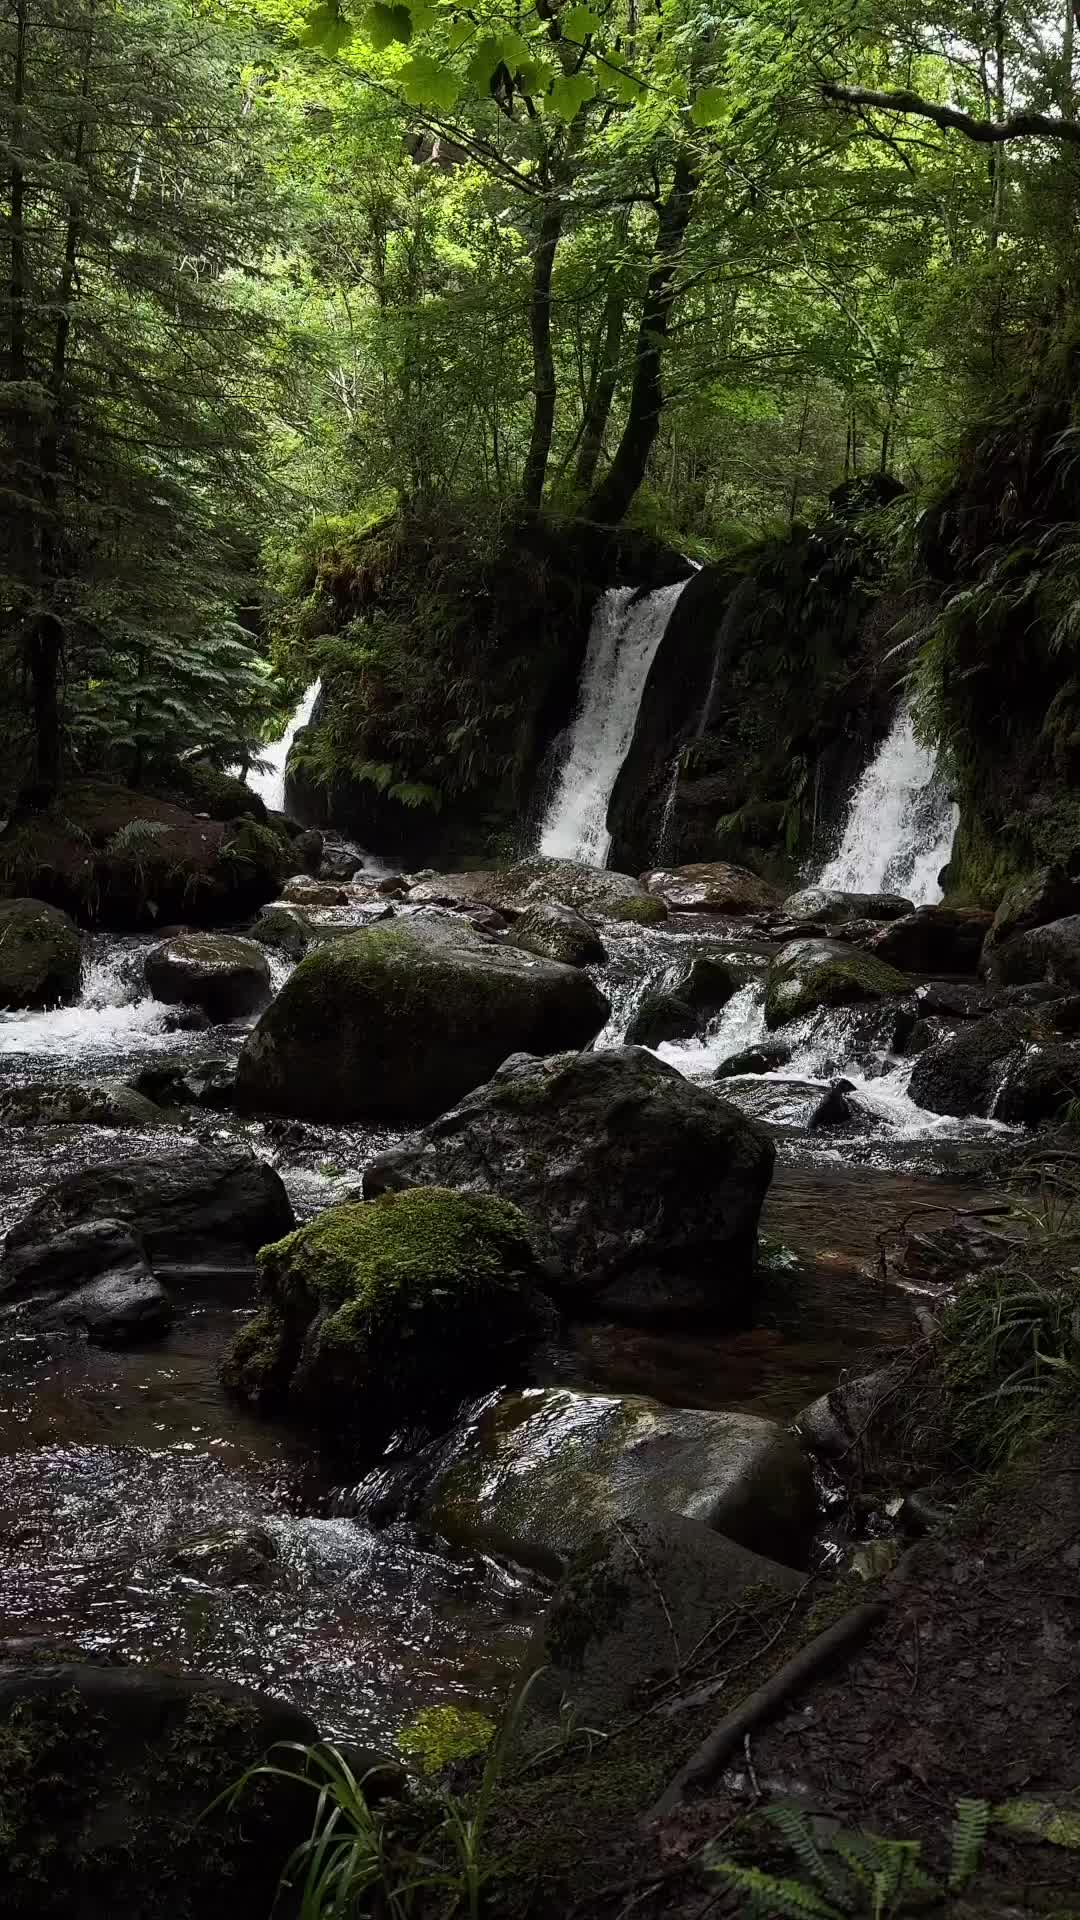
{"points": [[1019, 126]]}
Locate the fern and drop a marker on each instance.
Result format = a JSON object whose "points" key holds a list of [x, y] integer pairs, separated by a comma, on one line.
{"points": [[968, 1839], [868, 1877], [769, 1896]]}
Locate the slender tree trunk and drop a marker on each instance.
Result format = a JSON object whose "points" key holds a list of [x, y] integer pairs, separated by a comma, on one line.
{"points": [[611, 499], [544, 390], [605, 374]]}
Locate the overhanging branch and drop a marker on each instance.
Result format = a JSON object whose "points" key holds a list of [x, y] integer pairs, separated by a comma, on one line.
{"points": [[1019, 126]]}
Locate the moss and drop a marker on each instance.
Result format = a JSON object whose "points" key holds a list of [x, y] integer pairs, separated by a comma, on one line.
{"points": [[800, 981], [267, 856], [222, 795], [259, 1361], [641, 912], [40, 955], [436, 1737]]}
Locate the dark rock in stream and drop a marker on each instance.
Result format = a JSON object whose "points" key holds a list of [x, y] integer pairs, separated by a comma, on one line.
{"points": [[642, 1190], [399, 1021], [934, 940], [109, 1104], [188, 1083], [119, 1308], [807, 974], [1046, 953], [228, 1557], [199, 1219], [753, 1060], [109, 1774], [557, 932], [40, 955], [711, 886], [837, 1109], [284, 930], [227, 977], [633, 1601], [962, 1074], [1039, 1083], [831, 906]]}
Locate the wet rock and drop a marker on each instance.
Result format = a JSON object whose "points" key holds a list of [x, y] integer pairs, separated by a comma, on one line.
{"points": [[284, 930], [934, 940], [229, 1557], [302, 892], [40, 955], [921, 1513], [484, 920], [109, 1104], [1048, 894], [807, 974], [1039, 1083], [953, 999], [642, 1189], [661, 1016], [711, 886], [837, 1109], [557, 932], [188, 1083], [200, 1217], [962, 1074], [143, 1756], [373, 1315], [120, 1308], [831, 906], [397, 1022], [308, 848], [753, 1060], [848, 1426], [546, 1470], [512, 890], [227, 977], [339, 863], [940, 1256], [186, 1020], [1047, 953], [630, 1601]]}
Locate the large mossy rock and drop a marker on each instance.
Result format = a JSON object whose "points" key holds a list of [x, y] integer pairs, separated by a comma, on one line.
{"points": [[831, 906], [40, 955], [1047, 894], [558, 932], [198, 1218], [633, 1601], [548, 1469], [398, 1021], [378, 1314], [110, 1785], [514, 890], [226, 976], [808, 974], [124, 859], [643, 1190], [1039, 1083], [104, 1103], [711, 886], [283, 929], [934, 940]]}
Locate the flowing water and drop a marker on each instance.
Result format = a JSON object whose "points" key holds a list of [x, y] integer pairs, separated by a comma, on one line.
{"points": [[627, 629], [268, 780], [900, 824]]}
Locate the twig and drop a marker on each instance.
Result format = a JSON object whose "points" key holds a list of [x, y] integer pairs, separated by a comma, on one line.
{"points": [[750, 1766], [762, 1704], [657, 1589]]}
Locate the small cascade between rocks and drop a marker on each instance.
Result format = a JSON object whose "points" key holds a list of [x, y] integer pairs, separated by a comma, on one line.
{"points": [[269, 782], [627, 629], [900, 825]]}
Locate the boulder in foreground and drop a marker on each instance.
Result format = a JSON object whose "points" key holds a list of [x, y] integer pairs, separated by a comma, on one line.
{"points": [[107, 1775], [40, 955], [711, 886], [400, 1020], [642, 1189], [548, 1469], [226, 976], [375, 1315]]}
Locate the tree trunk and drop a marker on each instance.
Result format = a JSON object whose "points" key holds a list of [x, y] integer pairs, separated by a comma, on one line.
{"points": [[602, 386], [544, 391], [612, 498]]}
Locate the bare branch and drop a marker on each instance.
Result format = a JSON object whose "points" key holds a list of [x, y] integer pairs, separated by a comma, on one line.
{"points": [[1019, 126]]}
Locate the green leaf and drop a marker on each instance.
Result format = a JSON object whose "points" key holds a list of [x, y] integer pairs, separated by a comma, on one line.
{"points": [[532, 77], [325, 28], [461, 32], [710, 107], [488, 56], [579, 22], [383, 25], [425, 82], [624, 86], [569, 93], [422, 13]]}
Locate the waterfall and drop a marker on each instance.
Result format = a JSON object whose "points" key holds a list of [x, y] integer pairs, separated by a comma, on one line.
{"points": [[626, 632], [269, 780], [900, 824]]}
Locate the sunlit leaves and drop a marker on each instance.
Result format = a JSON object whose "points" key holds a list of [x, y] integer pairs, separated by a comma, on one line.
{"points": [[568, 93], [626, 87], [325, 28], [579, 23], [426, 82], [711, 107], [384, 24]]}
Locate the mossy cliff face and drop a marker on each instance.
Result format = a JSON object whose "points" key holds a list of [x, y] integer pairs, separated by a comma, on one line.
{"points": [[999, 672], [453, 661], [763, 702], [40, 955], [386, 1312], [399, 1021]]}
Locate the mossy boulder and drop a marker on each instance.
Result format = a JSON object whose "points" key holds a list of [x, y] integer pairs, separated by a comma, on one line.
{"points": [[831, 906], [938, 939], [808, 974], [105, 1103], [547, 1469], [119, 858], [513, 890], [108, 1775], [1050, 952], [284, 930], [557, 932], [226, 976], [375, 1314], [224, 796], [1047, 894], [643, 1190], [711, 886], [400, 1020], [40, 955]]}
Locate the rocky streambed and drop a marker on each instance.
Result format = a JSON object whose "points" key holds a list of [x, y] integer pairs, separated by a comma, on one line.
{"points": [[723, 1217]]}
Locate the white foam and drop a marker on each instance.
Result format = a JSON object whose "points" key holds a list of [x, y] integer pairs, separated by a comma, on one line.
{"points": [[900, 824]]}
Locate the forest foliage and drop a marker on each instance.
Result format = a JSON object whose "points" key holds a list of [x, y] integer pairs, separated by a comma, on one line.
{"points": [[270, 262]]}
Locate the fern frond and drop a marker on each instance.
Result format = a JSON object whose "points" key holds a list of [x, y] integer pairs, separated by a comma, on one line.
{"points": [[780, 1898], [799, 1834], [968, 1839]]}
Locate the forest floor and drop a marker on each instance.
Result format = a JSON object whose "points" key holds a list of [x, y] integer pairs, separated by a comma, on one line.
{"points": [[968, 1687]]}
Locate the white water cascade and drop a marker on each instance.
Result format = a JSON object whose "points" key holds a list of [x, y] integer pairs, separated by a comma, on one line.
{"points": [[269, 782], [900, 824], [626, 632]]}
